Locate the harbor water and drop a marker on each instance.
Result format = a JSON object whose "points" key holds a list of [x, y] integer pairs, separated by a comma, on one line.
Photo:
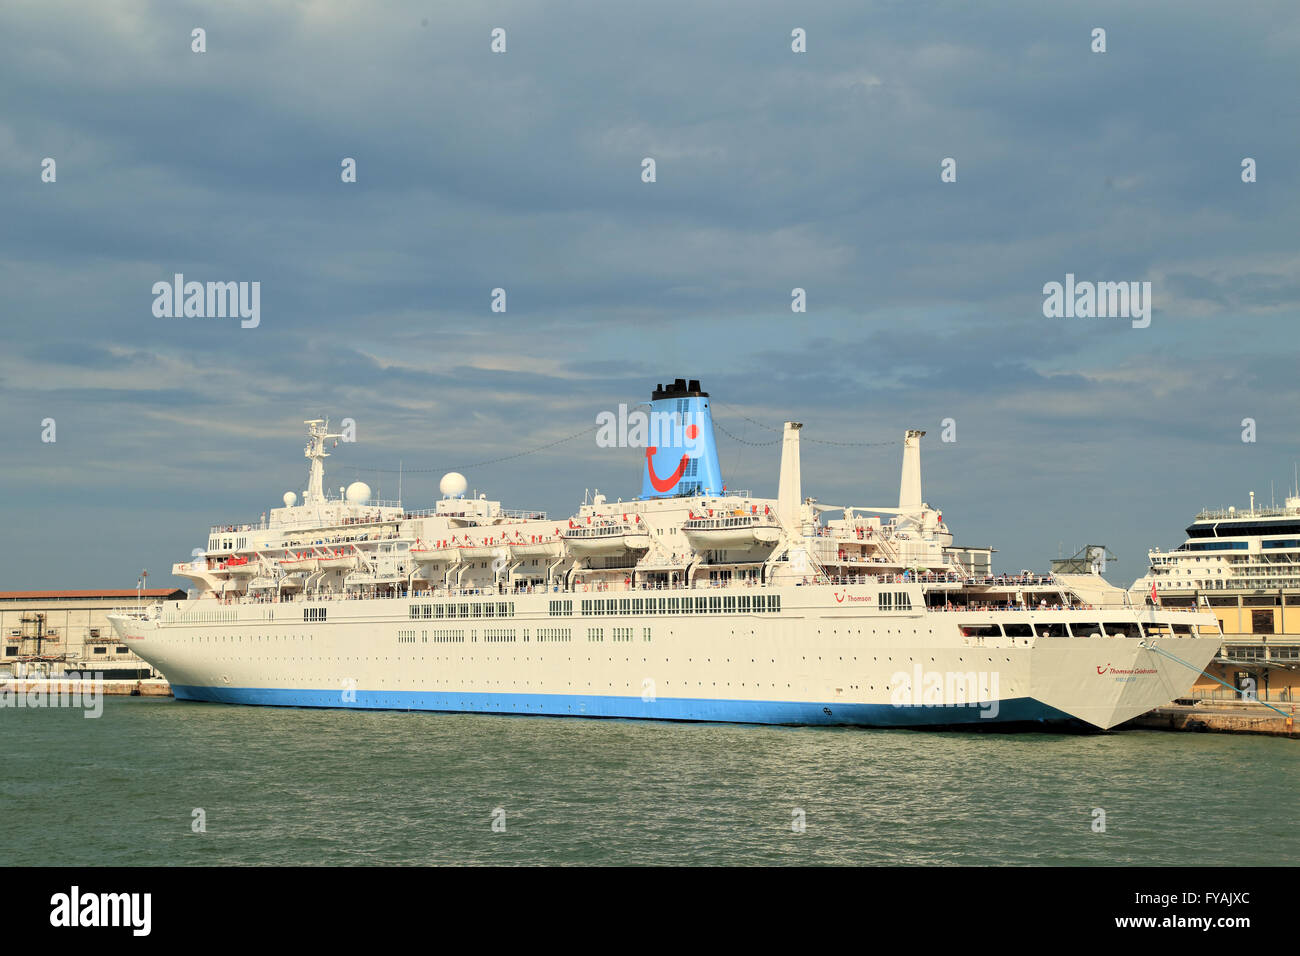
{"points": [[157, 781]]}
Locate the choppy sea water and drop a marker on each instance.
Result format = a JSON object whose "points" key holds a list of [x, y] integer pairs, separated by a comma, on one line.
{"points": [[287, 786]]}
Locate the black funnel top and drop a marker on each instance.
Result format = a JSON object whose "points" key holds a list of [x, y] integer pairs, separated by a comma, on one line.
{"points": [[679, 389]]}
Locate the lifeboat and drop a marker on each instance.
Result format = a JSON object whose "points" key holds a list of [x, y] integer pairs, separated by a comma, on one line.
{"points": [[537, 549], [329, 562], [731, 530], [606, 537], [238, 566], [435, 554], [299, 561]]}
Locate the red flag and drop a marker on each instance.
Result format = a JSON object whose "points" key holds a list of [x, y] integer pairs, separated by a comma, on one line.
{"points": [[1155, 598]]}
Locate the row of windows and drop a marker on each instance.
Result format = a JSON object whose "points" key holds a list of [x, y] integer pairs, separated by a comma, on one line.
{"points": [[712, 604], [554, 635], [621, 634], [405, 637], [896, 601], [496, 635], [1259, 653], [468, 609], [314, 613], [121, 649], [1086, 629], [561, 608]]}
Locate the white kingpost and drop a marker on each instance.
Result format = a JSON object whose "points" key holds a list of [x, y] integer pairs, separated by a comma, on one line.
{"points": [[909, 489], [789, 493]]}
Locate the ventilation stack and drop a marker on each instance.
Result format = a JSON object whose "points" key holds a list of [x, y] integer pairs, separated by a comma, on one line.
{"points": [[909, 489], [789, 495]]}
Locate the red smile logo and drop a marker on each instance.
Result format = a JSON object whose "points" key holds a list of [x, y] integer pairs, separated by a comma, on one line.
{"points": [[1102, 670], [839, 597], [663, 484]]}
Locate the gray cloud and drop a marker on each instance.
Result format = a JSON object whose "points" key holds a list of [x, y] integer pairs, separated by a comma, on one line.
{"points": [[522, 171]]}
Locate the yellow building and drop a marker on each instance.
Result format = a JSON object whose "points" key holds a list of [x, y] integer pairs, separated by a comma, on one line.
{"points": [[69, 630], [1261, 641]]}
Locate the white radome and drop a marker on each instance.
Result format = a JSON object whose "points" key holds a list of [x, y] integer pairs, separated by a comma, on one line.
{"points": [[358, 492], [453, 484], [289, 499]]}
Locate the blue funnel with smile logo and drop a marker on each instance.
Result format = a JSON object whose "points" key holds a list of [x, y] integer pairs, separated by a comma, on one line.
{"points": [[681, 456]]}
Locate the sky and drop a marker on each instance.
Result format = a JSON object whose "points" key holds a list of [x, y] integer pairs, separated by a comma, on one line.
{"points": [[523, 170]]}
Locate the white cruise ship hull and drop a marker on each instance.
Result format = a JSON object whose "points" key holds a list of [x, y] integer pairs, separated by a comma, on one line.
{"points": [[816, 660]]}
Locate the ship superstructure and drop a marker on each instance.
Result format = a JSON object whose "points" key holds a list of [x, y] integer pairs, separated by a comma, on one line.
{"points": [[1254, 548], [689, 602], [1243, 566]]}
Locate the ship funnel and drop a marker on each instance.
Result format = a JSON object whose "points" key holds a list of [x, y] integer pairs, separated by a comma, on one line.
{"points": [[681, 454], [789, 494], [909, 489]]}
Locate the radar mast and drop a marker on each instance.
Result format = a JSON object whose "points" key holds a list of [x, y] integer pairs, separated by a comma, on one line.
{"points": [[318, 432]]}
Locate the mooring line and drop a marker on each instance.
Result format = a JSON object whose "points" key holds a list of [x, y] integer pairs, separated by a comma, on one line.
{"points": [[1235, 690]]}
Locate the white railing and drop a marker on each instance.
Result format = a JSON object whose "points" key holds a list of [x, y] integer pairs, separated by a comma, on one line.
{"points": [[1219, 514]]}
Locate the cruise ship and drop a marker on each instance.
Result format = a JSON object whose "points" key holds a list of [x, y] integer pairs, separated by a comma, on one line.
{"points": [[1255, 549], [1243, 566], [690, 601]]}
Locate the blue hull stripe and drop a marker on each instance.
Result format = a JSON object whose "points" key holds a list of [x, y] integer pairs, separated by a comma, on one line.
{"points": [[1016, 710]]}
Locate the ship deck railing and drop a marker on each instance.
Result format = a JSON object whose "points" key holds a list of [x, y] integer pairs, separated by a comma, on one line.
{"points": [[456, 593], [1222, 514]]}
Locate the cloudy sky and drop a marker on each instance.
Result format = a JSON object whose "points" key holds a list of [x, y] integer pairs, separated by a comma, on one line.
{"points": [[522, 170]]}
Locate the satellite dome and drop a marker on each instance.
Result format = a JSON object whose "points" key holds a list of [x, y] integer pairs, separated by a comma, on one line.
{"points": [[358, 493], [289, 499], [453, 484]]}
